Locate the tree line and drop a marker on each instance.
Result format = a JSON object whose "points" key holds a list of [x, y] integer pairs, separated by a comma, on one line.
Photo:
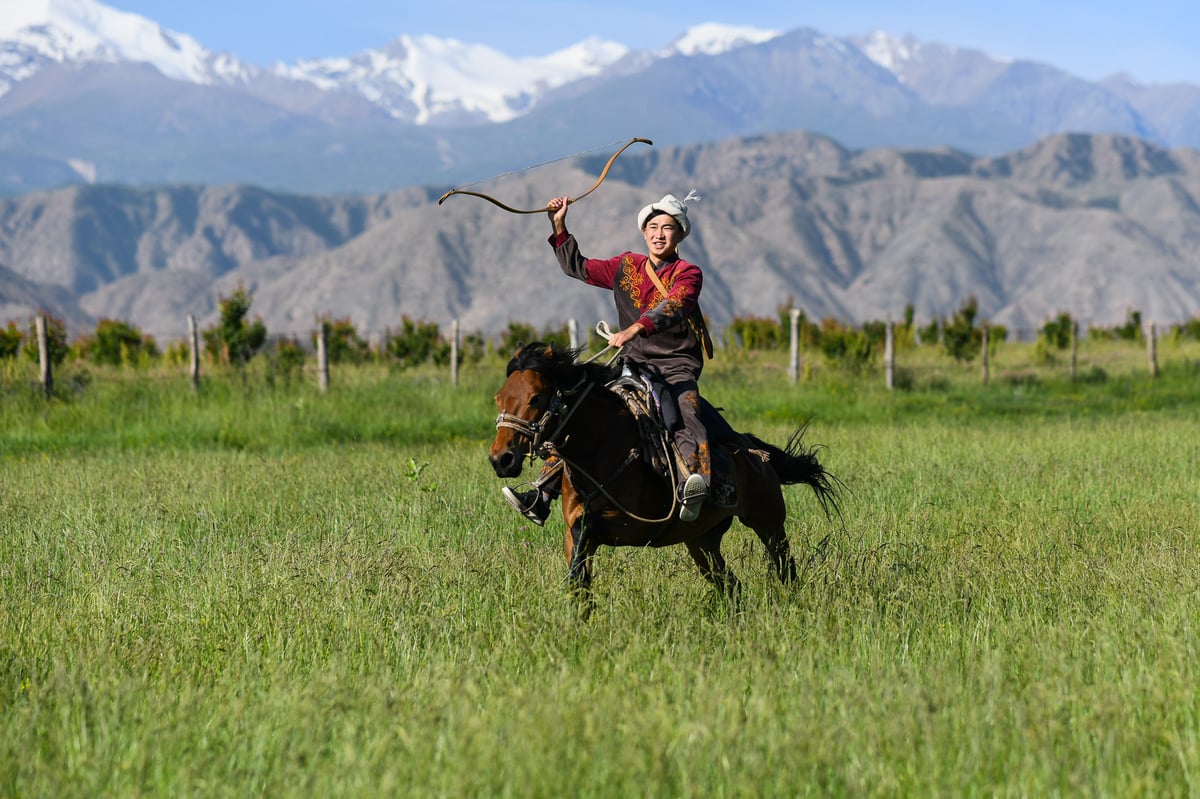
{"points": [[236, 338]]}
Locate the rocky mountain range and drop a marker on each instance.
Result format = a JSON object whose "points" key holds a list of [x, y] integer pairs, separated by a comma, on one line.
{"points": [[92, 95], [1094, 225], [143, 176]]}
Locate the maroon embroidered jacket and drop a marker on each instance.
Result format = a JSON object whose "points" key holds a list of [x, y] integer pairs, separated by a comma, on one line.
{"points": [[673, 338]]}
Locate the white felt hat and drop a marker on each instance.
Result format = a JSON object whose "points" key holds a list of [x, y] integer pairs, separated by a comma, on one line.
{"points": [[669, 204]]}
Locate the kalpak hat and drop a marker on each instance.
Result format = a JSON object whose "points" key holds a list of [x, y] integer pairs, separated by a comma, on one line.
{"points": [[673, 206]]}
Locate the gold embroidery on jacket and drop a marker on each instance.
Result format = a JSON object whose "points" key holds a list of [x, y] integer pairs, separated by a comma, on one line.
{"points": [[632, 280]]}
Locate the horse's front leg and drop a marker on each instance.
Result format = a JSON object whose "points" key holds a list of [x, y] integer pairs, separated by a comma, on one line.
{"points": [[579, 551]]}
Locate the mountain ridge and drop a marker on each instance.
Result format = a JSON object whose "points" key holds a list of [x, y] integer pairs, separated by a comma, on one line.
{"points": [[852, 234], [426, 111]]}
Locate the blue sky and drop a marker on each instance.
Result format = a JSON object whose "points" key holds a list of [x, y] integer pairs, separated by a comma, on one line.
{"points": [[1153, 40]]}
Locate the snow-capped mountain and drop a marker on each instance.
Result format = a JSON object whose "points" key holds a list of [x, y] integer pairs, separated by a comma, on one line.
{"points": [[91, 94], [425, 78], [893, 53], [940, 73], [714, 39], [417, 79], [36, 33]]}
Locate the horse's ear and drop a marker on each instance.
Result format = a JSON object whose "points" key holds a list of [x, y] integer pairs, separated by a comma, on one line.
{"points": [[520, 346], [549, 351]]}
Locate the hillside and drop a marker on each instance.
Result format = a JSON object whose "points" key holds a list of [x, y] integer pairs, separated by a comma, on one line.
{"points": [[1092, 225]]}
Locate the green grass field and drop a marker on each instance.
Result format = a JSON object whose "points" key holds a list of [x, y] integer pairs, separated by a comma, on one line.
{"points": [[264, 590]]}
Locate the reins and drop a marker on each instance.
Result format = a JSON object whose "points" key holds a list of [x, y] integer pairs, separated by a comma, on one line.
{"points": [[572, 466], [543, 445]]}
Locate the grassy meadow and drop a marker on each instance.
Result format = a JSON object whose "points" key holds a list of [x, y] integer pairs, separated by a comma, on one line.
{"points": [[266, 591]]}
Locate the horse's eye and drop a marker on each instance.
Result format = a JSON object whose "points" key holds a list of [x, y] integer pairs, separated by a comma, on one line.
{"points": [[536, 402]]}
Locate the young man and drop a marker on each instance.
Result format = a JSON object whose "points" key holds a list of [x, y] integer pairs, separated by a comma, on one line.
{"points": [[661, 328]]}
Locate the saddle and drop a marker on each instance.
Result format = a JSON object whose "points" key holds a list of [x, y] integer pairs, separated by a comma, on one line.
{"points": [[643, 398]]}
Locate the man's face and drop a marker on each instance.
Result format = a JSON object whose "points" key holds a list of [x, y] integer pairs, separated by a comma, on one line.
{"points": [[662, 235]]}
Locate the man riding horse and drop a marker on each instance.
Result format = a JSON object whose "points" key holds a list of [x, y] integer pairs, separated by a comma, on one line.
{"points": [[662, 331]]}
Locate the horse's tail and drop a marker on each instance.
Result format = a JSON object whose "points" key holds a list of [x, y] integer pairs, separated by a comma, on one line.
{"points": [[796, 463]]}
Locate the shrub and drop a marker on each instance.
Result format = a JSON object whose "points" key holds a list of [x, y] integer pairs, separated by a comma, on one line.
{"points": [[115, 343], [559, 336], [1058, 332], [962, 340], [875, 332], [10, 340], [758, 333], [178, 353], [287, 358], [845, 347], [342, 341], [413, 344], [516, 334], [1132, 329], [472, 348], [931, 333], [1042, 353], [1189, 329], [235, 340]]}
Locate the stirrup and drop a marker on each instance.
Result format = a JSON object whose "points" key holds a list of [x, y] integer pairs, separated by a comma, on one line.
{"points": [[529, 504]]}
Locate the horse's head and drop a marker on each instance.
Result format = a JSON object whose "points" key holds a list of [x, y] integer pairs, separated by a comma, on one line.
{"points": [[528, 404]]}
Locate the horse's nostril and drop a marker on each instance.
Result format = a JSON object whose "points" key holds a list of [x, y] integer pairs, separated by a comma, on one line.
{"points": [[504, 462]]}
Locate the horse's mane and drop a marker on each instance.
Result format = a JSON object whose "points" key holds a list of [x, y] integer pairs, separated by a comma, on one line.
{"points": [[559, 363]]}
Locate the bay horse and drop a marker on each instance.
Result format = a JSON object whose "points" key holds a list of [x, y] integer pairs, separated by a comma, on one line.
{"points": [[553, 405]]}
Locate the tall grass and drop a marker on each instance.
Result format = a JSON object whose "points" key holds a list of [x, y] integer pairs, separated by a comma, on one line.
{"points": [[268, 591]]}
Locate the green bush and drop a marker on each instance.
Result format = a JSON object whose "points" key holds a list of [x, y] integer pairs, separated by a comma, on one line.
{"points": [[1059, 331], [235, 340], [758, 333], [10, 340], [1189, 329], [845, 347], [116, 343], [516, 334], [287, 358], [415, 343], [1130, 331], [343, 342], [961, 338]]}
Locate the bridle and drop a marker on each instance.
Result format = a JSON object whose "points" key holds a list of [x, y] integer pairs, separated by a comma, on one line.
{"points": [[563, 405]]}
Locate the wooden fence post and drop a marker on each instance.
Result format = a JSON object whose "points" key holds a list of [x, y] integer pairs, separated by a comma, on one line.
{"points": [[573, 333], [889, 355], [1152, 349], [323, 357], [194, 347], [794, 354], [43, 344], [454, 353], [984, 359]]}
